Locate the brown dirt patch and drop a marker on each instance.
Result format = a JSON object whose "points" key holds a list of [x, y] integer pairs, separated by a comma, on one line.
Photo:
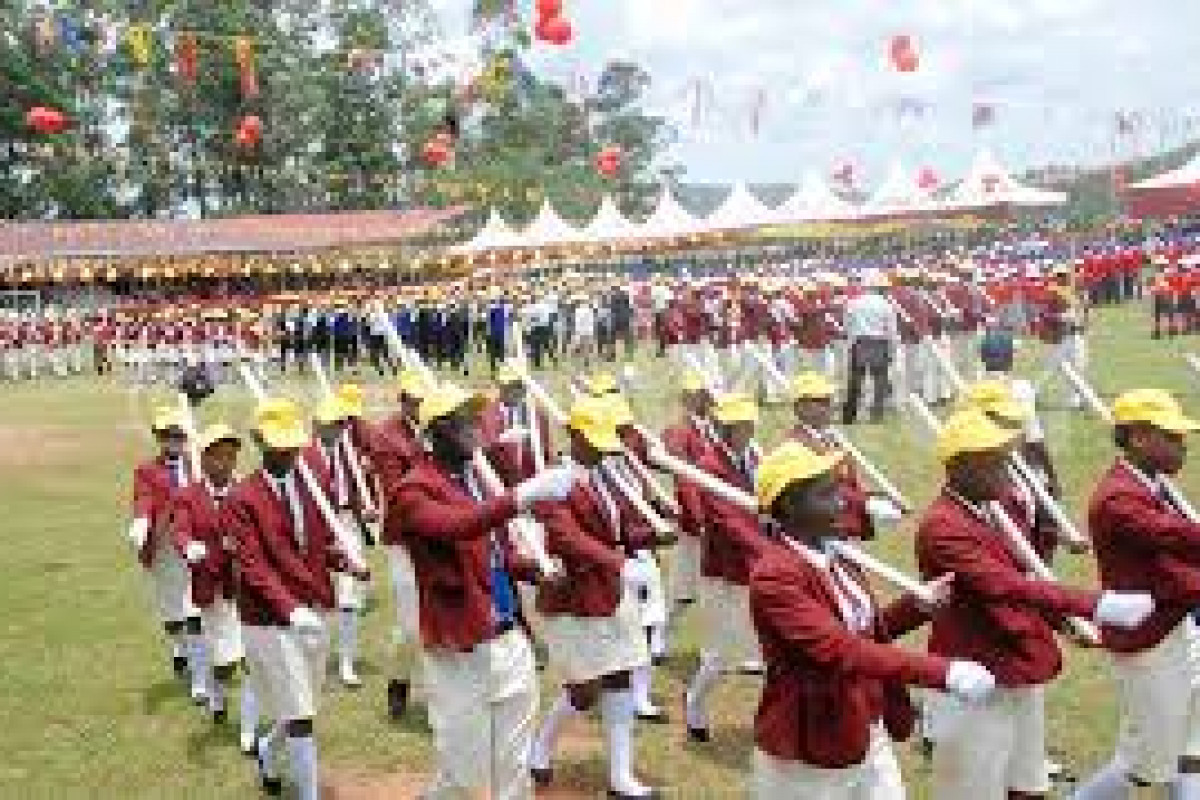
{"points": [[348, 785], [33, 446]]}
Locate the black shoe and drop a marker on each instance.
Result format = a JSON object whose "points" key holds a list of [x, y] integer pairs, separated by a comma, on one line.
{"points": [[659, 718], [219, 716], [653, 794], [542, 778], [698, 735], [270, 786], [397, 698], [658, 661], [179, 666]]}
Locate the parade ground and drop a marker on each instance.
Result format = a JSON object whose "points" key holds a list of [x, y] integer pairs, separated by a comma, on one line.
{"points": [[90, 709]]}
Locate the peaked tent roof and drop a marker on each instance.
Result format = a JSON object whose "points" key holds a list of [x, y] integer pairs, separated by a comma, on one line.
{"points": [[1186, 176], [668, 219], [899, 195], [988, 184], [740, 209], [609, 225], [814, 200], [548, 229], [496, 234]]}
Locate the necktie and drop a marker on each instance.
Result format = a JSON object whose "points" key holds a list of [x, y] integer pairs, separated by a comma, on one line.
{"points": [[606, 499], [337, 469], [1168, 498], [290, 498], [853, 600]]}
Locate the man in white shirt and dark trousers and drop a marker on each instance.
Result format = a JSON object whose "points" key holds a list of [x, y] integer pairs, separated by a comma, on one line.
{"points": [[872, 331]]}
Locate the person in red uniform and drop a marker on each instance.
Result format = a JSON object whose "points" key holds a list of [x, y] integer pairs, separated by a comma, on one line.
{"points": [[507, 428], [198, 534], [477, 660], [999, 617], [1146, 538], [690, 439], [591, 619], [156, 483], [812, 398], [286, 555], [732, 537], [835, 686], [394, 447]]}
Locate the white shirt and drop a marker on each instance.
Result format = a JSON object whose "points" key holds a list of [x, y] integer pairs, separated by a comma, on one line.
{"points": [[585, 320], [660, 297], [872, 316], [1025, 393]]}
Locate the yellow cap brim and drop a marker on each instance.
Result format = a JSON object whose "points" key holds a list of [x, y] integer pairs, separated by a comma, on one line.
{"points": [[605, 440], [283, 437], [811, 468]]}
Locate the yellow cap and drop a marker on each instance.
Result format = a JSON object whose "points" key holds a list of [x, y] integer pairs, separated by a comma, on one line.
{"points": [[812, 386], [971, 431], [996, 398], [592, 418], [508, 373], [693, 382], [330, 410], [352, 395], [166, 417], [735, 407], [601, 383], [412, 383], [787, 464], [280, 424], [217, 432], [1153, 407], [618, 409], [443, 400]]}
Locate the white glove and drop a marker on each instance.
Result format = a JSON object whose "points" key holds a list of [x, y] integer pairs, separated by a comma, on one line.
{"points": [[514, 435], [1124, 609], [138, 531], [883, 511], [633, 574], [969, 681], [549, 484], [195, 551], [306, 622]]}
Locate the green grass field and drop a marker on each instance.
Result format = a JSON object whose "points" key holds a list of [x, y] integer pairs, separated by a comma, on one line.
{"points": [[88, 707]]}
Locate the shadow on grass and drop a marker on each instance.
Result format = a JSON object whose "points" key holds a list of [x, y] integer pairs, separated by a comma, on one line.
{"points": [[729, 747], [168, 692]]}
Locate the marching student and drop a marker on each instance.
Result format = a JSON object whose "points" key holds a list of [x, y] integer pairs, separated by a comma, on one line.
{"points": [[689, 439], [591, 620], [835, 686], [999, 617], [285, 555], [328, 454], [477, 660], [1144, 541], [732, 540], [198, 534], [395, 446], [507, 430], [156, 484]]}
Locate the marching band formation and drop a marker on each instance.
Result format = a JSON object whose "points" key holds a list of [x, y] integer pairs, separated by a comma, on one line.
{"points": [[509, 520]]}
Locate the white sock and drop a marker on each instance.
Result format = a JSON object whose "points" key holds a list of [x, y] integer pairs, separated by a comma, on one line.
{"points": [[347, 638], [1186, 786], [702, 684], [179, 648], [542, 751], [268, 748], [658, 640], [1110, 783], [640, 680], [616, 713], [247, 714], [198, 663], [216, 696], [302, 752]]}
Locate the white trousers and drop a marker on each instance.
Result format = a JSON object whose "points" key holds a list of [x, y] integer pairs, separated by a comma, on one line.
{"points": [[288, 669], [404, 594], [983, 750], [876, 778], [729, 632], [482, 708], [684, 577]]}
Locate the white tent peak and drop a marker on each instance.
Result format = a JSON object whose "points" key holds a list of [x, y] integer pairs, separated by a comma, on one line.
{"points": [[988, 183], [495, 234], [740, 209], [668, 219], [814, 199], [609, 224], [548, 229], [1185, 176]]}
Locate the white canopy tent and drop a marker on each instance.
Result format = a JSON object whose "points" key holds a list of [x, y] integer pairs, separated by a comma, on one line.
{"points": [[740, 210], [496, 234], [1180, 178], [988, 185], [814, 201], [899, 195], [548, 229], [668, 220], [608, 225]]}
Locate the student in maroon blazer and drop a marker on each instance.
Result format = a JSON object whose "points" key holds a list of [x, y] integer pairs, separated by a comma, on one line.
{"points": [[1146, 539], [199, 535], [690, 439], [285, 554], [591, 619], [478, 664], [394, 447], [999, 617], [733, 538], [506, 427], [835, 686], [155, 486]]}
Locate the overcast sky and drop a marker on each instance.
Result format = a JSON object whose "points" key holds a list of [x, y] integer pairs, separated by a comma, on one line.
{"points": [[816, 71]]}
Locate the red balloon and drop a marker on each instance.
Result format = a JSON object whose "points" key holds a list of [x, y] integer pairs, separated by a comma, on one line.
{"points": [[252, 124], [46, 120], [608, 161], [436, 152], [549, 9], [555, 30], [244, 138], [902, 52], [928, 179]]}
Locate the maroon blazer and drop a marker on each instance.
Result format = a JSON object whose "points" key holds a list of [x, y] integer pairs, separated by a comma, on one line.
{"points": [[855, 522], [1143, 544], [687, 442], [514, 462], [275, 573], [592, 552], [153, 497], [394, 449], [195, 517], [827, 685], [732, 534], [349, 497], [998, 616], [447, 533]]}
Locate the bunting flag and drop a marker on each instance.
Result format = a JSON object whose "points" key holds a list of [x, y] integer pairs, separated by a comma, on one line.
{"points": [[243, 56], [983, 114], [187, 58], [137, 38]]}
